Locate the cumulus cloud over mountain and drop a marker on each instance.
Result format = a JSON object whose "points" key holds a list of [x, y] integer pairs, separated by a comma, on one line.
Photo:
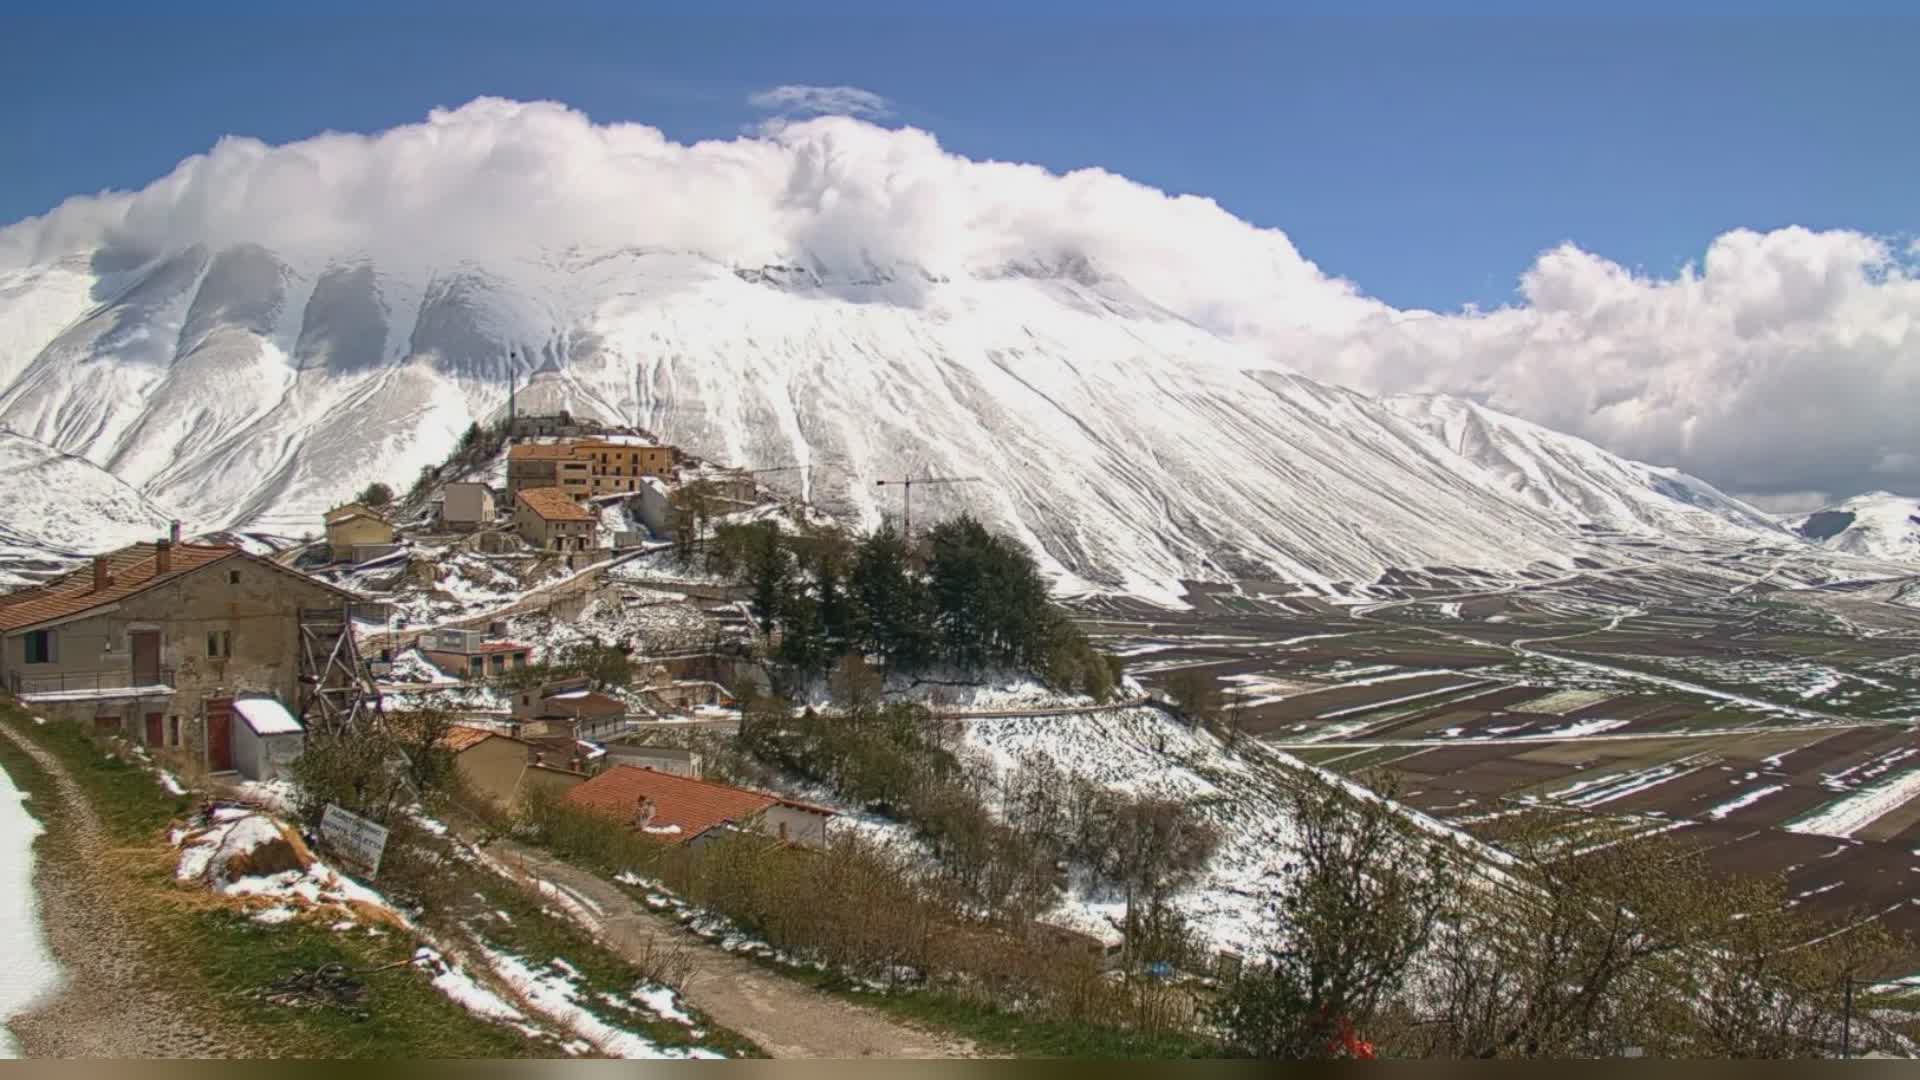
{"points": [[1785, 361]]}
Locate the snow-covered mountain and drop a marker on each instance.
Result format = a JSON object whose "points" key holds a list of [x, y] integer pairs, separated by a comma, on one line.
{"points": [[1878, 525], [246, 390], [58, 506]]}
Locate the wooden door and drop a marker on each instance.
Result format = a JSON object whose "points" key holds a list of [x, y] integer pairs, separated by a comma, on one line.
{"points": [[219, 734], [156, 729], [146, 657]]}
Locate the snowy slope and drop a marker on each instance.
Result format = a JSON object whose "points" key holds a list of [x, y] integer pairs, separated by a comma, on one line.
{"points": [[1574, 479], [1878, 525], [59, 507], [1130, 446]]}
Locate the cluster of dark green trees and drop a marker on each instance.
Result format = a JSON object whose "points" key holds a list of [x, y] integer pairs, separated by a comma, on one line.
{"points": [[962, 597]]}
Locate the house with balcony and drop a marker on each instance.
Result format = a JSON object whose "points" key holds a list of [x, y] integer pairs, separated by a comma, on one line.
{"points": [[617, 464], [156, 640]]}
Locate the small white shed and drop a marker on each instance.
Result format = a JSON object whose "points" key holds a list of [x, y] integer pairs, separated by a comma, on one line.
{"points": [[266, 737]]}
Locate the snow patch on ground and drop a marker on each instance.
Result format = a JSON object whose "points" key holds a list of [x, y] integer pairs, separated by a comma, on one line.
{"points": [[462, 990], [557, 995], [1144, 752], [1745, 800], [1844, 817], [30, 970]]}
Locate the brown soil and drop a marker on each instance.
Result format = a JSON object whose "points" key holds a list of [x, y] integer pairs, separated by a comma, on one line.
{"points": [[784, 1018], [109, 1005]]}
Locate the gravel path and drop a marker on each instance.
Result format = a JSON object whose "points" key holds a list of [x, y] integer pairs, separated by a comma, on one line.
{"points": [[784, 1018], [107, 1007]]}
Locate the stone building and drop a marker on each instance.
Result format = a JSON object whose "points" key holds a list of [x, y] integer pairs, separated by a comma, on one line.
{"points": [[504, 770], [548, 519], [466, 505], [154, 641]]}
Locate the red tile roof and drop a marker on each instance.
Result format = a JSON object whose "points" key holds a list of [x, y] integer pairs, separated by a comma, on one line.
{"points": [[553, 504], [132, 570], [460, 737], [693, 805]]}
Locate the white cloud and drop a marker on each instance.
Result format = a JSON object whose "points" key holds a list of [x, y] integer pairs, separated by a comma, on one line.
{"points": [[800, 100], [1786, 361]]}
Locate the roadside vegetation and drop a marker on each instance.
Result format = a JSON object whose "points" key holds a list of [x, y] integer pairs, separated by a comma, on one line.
{"points": [[213, 959], [217, 957]]}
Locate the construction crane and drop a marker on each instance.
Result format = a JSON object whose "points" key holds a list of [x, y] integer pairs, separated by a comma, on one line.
{"points": [[905, 484]]}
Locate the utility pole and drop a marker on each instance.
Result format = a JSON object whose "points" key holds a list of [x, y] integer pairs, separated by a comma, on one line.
{"points": [[905, 484], [806, 478]]}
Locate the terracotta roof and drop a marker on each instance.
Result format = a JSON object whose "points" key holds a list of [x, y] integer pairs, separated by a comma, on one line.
{"points": [[693, 805], [461, 737], [132, 570], [540, 452], [552, 504]]}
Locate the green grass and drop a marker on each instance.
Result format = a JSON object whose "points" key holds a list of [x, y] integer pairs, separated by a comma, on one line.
{"points": [[128, 799], [998, 1031], [212, 957]]}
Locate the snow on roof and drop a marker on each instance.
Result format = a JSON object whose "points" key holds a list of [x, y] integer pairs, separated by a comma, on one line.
{"points": [[568, 695], [266, 716]]}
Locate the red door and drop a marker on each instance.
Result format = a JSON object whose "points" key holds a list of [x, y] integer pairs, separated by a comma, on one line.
{"points": [[146, 657], [156, 731], [219, 734]]}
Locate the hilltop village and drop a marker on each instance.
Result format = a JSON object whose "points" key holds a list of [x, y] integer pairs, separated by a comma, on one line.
{"points": [[573, 680]]}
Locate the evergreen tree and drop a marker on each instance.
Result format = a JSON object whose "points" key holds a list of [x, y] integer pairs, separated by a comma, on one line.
{"points": [[892, 610], [770, 573]]}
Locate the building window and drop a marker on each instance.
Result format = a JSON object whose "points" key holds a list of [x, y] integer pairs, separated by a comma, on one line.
{"points": [[173, 731], [233, 577], [220, 643], [40, 647]]}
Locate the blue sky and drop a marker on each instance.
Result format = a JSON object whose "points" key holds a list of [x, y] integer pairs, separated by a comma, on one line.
{"points": [[1428, 161]]}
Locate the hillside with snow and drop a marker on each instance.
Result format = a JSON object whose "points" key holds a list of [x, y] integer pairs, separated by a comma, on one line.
{"points": [[1132, 448], [59, 506], [1877, 525]]}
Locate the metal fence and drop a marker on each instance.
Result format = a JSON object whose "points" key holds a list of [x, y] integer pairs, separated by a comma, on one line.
{"points": [[108, 679]]}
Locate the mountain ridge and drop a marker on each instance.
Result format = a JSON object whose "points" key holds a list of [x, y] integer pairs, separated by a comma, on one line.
{"points": [[1129, 446]]}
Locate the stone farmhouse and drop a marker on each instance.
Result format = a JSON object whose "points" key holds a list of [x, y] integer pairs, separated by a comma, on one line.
{"points": [[547, 519], [156, 640]]}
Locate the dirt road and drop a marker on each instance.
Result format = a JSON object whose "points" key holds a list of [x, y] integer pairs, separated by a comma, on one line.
{"points": [[108, 1007], [784, 1018]]}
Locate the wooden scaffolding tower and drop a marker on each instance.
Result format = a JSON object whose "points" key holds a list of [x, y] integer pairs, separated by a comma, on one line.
{"points": [[337, 693]]}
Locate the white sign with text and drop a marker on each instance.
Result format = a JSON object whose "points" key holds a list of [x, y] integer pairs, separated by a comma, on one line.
{"points": [[354, 838]]}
